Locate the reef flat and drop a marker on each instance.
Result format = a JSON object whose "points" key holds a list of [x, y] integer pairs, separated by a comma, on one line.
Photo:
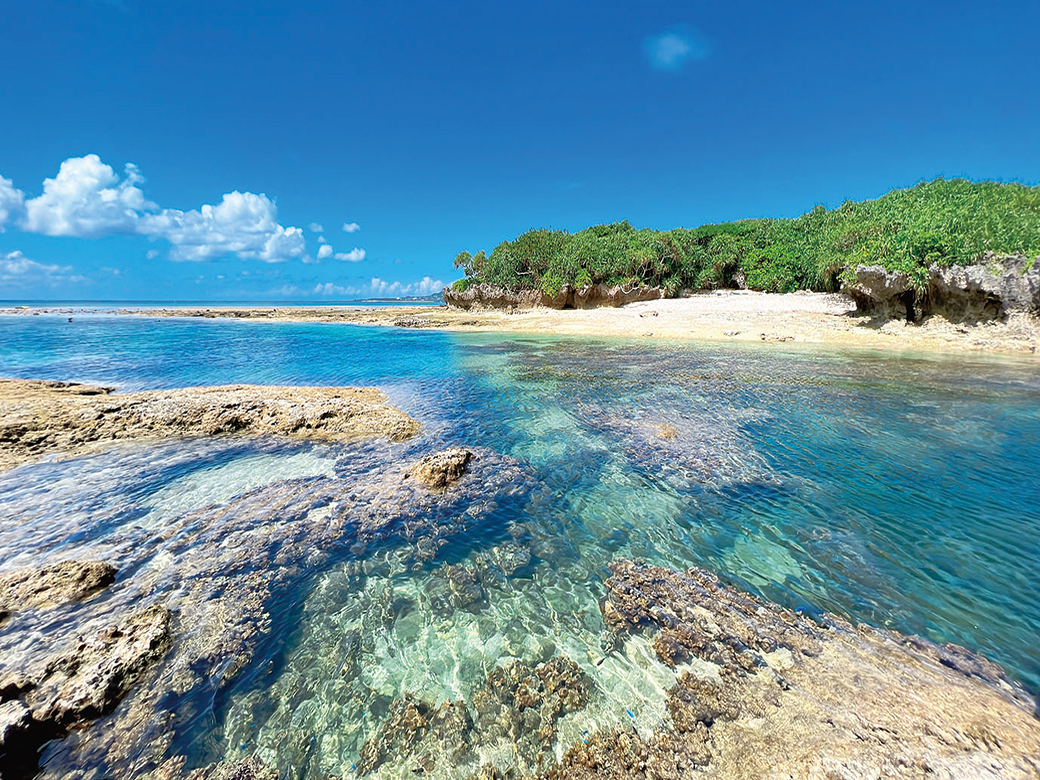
{"points": [[40, 417]]}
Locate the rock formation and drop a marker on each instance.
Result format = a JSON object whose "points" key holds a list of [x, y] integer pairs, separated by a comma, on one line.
{"points": [[794, 698], [37, 417], [65, 581], [75, 686], [439, 470], [489, 296], [993, 289], [222, 571]]}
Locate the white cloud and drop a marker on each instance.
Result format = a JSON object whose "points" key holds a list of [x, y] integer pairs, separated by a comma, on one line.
{"points": [[355, 255], [243, 223], [17, 270], [324, 251], [87, 199], [351, 227], [314, 227], [671, 50], [329, 290], [377, 288], [427, 286], [322, 240], [12, 202]]}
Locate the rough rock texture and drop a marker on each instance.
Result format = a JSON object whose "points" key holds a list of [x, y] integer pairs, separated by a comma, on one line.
{"points": [[224, 569], [993, 289], [795, 698], [65, 581], [884, 294], [489, 296], [39, 416], [440, 470], [76, 686], [518, 705], [248, 768], [596, 295]]}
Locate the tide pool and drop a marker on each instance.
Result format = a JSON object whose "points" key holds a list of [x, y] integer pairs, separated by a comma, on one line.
{"points": [[896, 489]]}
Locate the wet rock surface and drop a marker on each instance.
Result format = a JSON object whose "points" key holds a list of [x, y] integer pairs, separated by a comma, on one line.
{"points": [[37, 417], [222, 570], [795, 698], [51, 585], [519, 705], [75, 686], [440, 470]]}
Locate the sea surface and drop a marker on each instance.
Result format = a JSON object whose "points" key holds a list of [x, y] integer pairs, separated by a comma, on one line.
{"points": [[897, 488]]}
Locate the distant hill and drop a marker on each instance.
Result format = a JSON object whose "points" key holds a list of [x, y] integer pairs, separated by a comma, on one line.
{"points": [[943, 222]]}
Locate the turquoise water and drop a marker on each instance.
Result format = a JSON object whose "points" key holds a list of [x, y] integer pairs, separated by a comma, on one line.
{"points": [[899, 489]]}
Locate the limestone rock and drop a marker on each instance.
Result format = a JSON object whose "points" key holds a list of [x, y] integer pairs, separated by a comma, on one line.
{"points": [[65, 581], [882, 293], [90, 680], [595, 295], [792, 697], [489, 296], [990, 290], [37, 417], [441, 470]]}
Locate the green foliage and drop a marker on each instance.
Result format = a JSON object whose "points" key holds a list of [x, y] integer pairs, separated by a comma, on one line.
{"points": [[942, 222], [460, 285]]}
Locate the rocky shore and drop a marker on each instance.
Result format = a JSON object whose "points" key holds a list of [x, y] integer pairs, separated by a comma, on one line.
{"points": [[110, 664], [40, 417]]}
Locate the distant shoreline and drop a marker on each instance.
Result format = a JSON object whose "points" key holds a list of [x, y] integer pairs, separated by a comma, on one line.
{"points": [[731, 315]]}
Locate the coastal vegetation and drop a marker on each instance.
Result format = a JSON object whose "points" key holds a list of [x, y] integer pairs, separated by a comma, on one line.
{"points": [[941, 222]]}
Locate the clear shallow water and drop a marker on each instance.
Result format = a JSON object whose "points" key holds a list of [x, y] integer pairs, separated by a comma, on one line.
{"points": [[895, 489]]}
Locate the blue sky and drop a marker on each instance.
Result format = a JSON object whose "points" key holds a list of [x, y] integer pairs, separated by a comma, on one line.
{"points": [[331, 150]]}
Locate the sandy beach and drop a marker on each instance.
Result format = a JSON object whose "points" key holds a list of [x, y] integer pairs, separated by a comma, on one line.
{"points": [[731, 315]]}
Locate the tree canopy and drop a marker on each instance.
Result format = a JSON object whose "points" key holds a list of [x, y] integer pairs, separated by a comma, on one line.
{"points": [[944, 222]]}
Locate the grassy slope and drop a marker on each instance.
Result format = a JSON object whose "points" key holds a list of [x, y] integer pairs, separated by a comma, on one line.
{"points": [[945, 222]]}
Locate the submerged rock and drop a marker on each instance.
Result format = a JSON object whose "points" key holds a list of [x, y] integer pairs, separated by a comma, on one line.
{"points": [[440, 470], [37, 417], [519, 705], [228, 570], [65, 581], [76, 686], [790, 697]]}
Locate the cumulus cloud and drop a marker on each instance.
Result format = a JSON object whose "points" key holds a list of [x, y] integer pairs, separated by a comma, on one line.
{"points": [[12, 203], [376, 288], [314, 227], [324, 251], [18, 271], [427, 286], [671, 50], [351, 227], [243, 224], [87, 199], [355, 255]]}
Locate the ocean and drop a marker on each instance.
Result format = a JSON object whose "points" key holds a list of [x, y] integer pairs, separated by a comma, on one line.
{"points": [[894, 488]]}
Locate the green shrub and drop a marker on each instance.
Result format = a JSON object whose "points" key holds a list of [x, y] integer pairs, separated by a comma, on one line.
{"points": [[944, 222]]}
